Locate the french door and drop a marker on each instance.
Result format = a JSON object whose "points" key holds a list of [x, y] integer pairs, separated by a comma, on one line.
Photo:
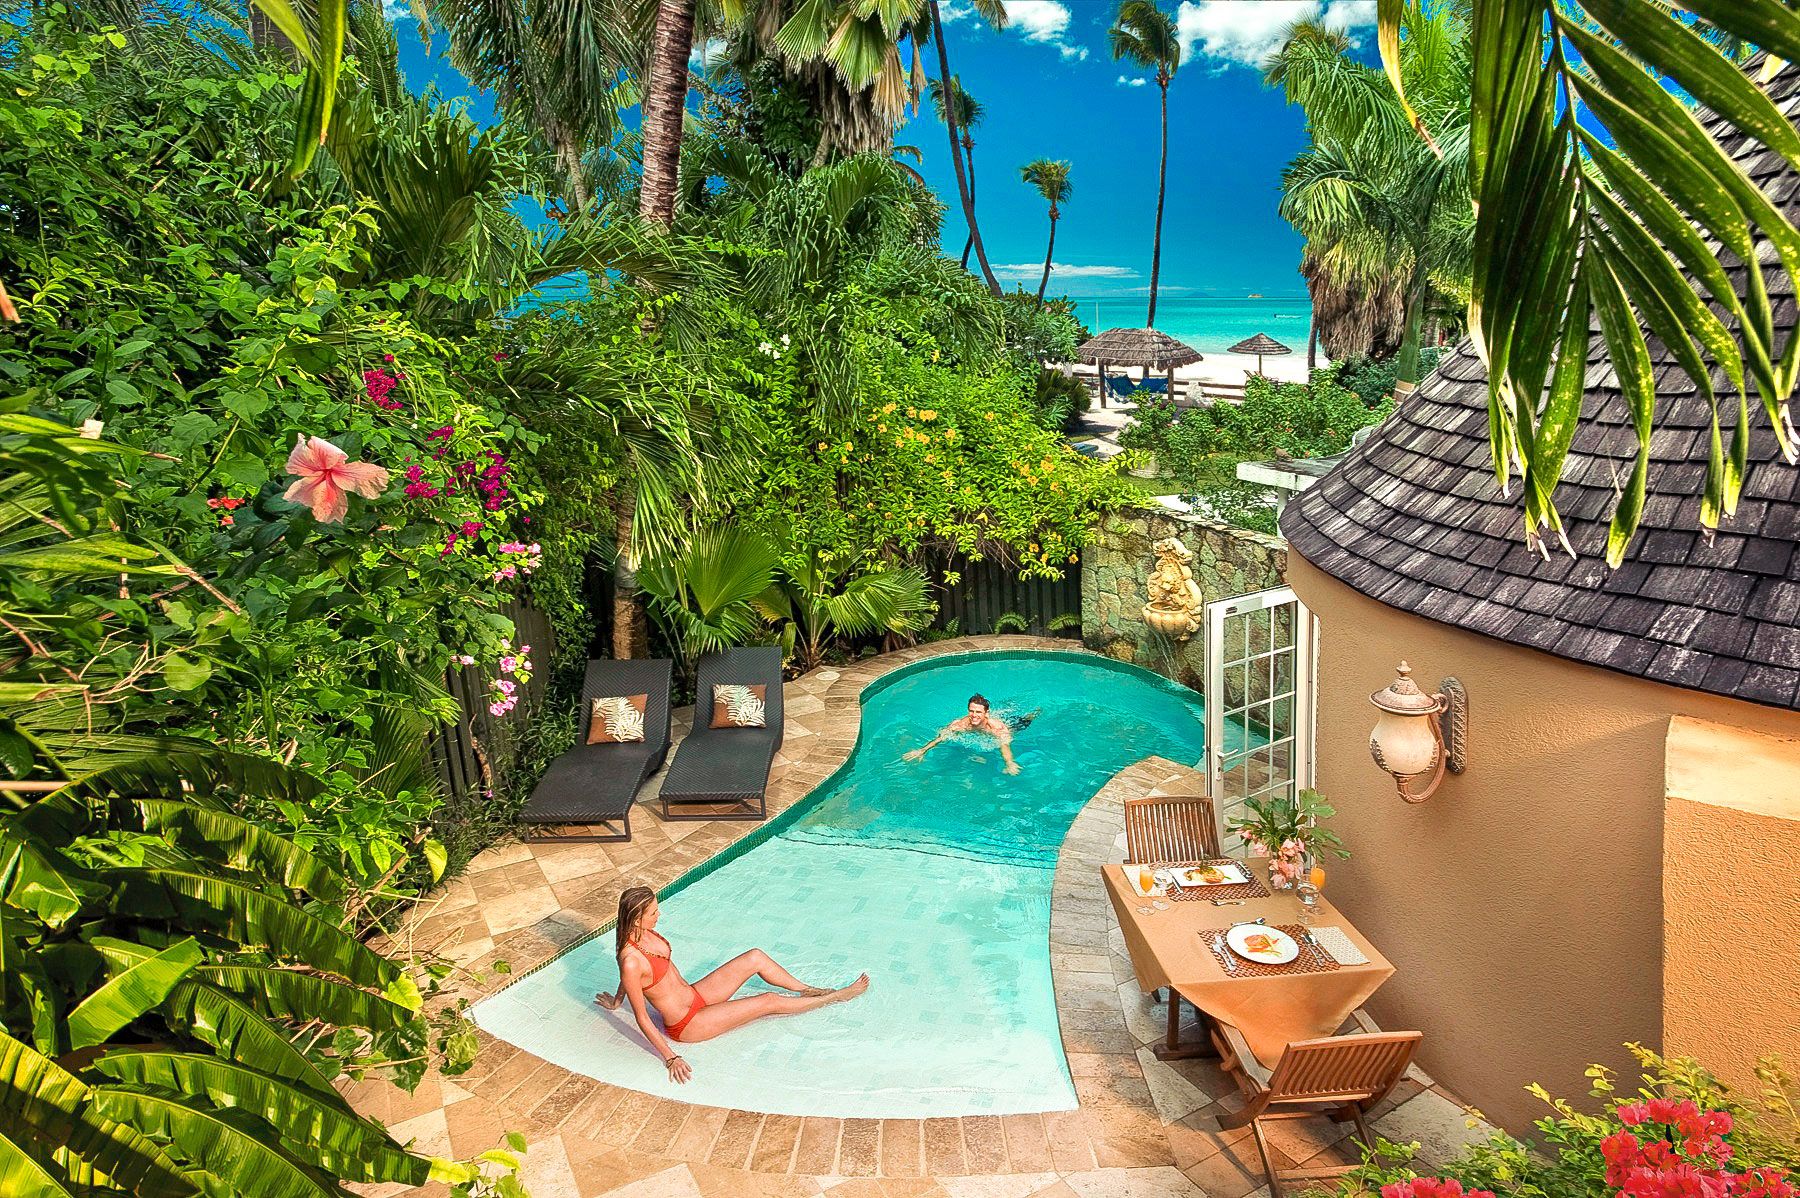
{"points": [[1261, 661]]}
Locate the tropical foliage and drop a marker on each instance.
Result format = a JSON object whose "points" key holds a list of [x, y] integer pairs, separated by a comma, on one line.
{"points": [[1602, 198], [1381, 194], [1050, 178], [1198, 449], [181, 985], [1678, 1132]]}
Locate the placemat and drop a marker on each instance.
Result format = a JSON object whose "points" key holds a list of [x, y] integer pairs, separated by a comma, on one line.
{"points": [[1340, 946], [1242, 890], [1312, 959]]}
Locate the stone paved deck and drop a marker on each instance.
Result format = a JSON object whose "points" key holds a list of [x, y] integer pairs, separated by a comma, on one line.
{"points": [[1145, 1129]]}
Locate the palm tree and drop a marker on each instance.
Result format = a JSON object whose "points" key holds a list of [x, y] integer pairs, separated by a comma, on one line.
{"points": [[1146, 35], [1051, 178], [862, 42], [665, 109], [1617, 219], [968, 115], [552, 66], [1386, 213]]}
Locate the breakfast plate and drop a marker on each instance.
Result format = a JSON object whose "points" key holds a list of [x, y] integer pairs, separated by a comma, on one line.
{"points": [[1226, 873], [1262, 944]]}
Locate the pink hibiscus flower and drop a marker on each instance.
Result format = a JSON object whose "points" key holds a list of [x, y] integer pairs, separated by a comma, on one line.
{"points": [[326, 476]]}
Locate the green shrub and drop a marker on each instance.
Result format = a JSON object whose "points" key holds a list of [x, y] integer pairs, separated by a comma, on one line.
{"points": [[1571, 1157]]}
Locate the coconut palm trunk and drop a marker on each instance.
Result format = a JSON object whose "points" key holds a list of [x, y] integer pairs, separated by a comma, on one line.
{"points": [[1162, 187], [962, 178], [665, 107], [1049, 251], [665, 111], [969, 152]]}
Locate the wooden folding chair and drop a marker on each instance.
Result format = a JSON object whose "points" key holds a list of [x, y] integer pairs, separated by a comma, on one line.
{"points": [[1169, 828], [1339, 1076]]}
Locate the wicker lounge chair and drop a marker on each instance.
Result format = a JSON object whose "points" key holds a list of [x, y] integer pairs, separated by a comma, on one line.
{"points": [[597, 784], [1340, 1076], [728, 767]]}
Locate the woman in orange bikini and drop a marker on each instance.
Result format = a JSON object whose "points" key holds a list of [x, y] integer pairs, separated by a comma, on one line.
{"points": [[691, 1013]]}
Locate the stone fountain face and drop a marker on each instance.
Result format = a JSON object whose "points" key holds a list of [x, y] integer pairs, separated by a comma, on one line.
{"points": [[1176, 604]]}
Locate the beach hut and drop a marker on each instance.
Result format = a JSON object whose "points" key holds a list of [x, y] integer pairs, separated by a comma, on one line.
{"points": [[1260, 345], [1149, 349]]}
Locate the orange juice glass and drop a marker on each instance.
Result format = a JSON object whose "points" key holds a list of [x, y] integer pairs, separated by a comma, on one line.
{"points": [[1317, 877], [1146, 879]]}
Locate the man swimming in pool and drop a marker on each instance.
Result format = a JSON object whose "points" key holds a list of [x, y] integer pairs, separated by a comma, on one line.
{"points": [[982, 722]]}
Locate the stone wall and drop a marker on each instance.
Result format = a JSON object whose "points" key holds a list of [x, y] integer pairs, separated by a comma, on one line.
{"points": [[1227, 561]]}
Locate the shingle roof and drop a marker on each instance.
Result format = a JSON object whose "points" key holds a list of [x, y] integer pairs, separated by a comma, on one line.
{"points": [[1414, 519]]}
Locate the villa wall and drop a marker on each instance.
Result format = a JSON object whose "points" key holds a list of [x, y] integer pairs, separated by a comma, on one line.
{"points": [[1523, 904], [1227, 561]]}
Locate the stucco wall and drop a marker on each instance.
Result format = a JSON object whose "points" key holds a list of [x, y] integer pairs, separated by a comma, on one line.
{"points": [[1227, 561], [1731, 898], [1523, 903]]}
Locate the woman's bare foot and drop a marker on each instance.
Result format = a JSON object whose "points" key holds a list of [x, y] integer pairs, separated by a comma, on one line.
{"points": [[608, 1002], [853, 990]]}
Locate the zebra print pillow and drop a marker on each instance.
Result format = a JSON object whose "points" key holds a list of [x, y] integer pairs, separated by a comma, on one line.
{"points": [[738, 706], [617, 720]]}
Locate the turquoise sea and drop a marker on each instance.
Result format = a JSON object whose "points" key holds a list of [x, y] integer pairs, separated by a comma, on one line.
{"points": [[1210, 324]]}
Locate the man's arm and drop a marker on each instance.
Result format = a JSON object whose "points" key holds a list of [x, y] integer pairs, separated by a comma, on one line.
{"points": [[919, 753], [1012, 767]]}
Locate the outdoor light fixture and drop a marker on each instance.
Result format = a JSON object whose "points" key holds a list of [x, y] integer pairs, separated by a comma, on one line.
{"points": [[1419, 736]]}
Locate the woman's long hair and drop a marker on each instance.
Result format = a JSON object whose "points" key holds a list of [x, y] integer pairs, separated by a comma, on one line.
{"points": [[632, 905]]}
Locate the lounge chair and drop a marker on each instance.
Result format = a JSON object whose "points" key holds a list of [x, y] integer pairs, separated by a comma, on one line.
{"points": [[1340, 1076], [597, 784], [728, 767]]}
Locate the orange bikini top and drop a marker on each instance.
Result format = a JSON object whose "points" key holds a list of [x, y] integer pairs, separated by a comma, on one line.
{"points": [[660, 964]]}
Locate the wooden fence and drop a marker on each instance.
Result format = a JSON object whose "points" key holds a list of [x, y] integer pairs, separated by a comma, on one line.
{"points": [[478, 747], [989, 590]]}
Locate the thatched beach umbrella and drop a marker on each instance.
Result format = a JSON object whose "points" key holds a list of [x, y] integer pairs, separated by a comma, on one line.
{"points": [[1259, 345], [1150, 349]]}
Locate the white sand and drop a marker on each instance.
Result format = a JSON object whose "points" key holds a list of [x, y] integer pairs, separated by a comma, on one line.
{"points": [[1225, 368]]}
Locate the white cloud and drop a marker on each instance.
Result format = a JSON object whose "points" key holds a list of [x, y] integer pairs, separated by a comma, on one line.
{"points": [[394, 10], [1064, 270], [1045, 22], [1245, 32], [1132, 81], [1038, 20]]}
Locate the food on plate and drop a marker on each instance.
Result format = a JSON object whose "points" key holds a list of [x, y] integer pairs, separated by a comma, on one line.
{"points": [[1261, 942]]}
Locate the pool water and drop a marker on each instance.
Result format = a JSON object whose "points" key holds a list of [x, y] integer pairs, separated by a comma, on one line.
{"points": [[934, 877]]}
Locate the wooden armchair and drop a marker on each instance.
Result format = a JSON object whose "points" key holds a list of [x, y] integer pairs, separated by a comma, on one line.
{"points": [[1339, 1076], [1170, 828]]}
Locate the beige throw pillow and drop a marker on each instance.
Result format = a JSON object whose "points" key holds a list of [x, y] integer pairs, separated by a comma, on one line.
{"points": [[738, 706], [618, 719]]}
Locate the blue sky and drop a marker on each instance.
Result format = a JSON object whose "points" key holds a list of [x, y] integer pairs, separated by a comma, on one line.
{"points": [[1051, 89]]}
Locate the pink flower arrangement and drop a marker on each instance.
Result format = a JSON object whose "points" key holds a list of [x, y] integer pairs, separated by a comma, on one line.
{"points": [[325, 477]]}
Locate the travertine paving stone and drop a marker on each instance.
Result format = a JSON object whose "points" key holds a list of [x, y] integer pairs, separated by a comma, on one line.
{"points": [[1144, 1129]]}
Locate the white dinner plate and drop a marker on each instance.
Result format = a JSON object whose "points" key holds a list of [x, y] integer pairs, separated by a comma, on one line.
{"points": [[1229, 874], [1280, 950]]}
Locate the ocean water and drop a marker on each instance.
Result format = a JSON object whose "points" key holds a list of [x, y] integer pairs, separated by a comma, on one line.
{"points": [[1210, 325], [934, 877]]}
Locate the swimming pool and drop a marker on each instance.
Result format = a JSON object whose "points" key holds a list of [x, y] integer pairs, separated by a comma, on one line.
{"points": [[933, 876]]}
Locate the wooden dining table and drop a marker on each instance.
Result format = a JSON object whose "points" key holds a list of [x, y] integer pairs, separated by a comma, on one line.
{"points": [[1170, 947]]}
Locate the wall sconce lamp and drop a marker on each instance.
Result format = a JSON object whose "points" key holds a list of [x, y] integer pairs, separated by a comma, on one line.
{"points": [[1419, 736]]}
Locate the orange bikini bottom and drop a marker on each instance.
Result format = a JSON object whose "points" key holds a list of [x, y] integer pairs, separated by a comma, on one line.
{"points": [[675, 1029]]}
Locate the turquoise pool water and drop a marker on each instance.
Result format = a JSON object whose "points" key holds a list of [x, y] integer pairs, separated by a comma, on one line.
{"points": [[934, 877]]}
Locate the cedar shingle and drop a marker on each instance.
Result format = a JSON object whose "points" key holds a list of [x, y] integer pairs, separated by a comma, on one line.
{"points": [[1414, 518]]}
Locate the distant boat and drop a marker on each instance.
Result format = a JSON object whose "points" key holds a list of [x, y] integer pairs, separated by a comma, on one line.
{"points": [[1255, 295]]}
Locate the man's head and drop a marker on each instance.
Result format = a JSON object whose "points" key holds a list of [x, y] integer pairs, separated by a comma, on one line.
{"points": [[978, 707]]}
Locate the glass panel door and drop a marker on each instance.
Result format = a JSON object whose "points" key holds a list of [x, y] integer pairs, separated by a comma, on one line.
{"points": [[1260, 664]]}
